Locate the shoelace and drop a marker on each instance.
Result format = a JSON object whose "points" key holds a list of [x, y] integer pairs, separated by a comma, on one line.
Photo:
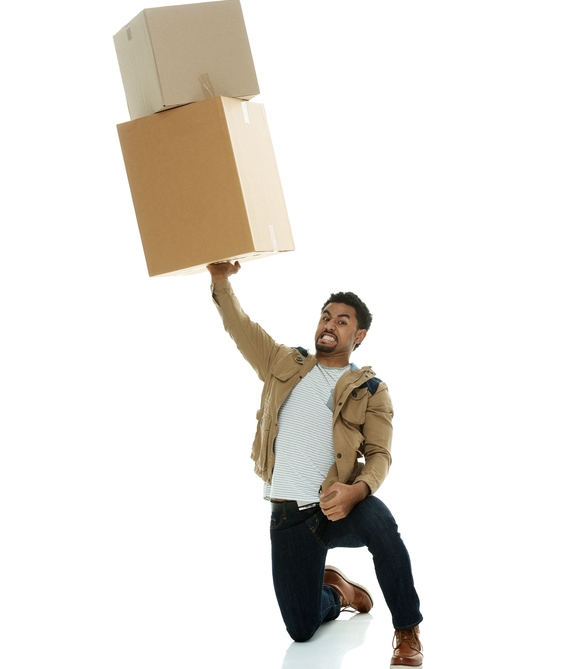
{"points": [[410, 636], [346, 606]]}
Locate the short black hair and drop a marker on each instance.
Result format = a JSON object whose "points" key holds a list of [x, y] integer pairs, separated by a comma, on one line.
{"points": [[364, 316]]}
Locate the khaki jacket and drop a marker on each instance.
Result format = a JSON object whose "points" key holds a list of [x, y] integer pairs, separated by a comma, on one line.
{"points": [[362, 415]]}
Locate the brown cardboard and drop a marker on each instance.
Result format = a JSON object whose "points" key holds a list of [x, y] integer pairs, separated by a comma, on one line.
{"points": [[171, 56], [205, 185]]}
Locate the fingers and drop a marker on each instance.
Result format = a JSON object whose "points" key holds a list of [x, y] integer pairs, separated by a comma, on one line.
{"points": [[331, 510], [328, 502], [223, 270], [338, 500], [231, 268], [333, 514]]}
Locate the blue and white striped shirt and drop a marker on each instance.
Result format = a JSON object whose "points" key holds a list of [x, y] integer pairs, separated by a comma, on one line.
{"points": [[304, 449]]}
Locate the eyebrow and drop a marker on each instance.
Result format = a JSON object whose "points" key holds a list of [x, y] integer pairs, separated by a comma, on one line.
{"points": [[325, 311]]}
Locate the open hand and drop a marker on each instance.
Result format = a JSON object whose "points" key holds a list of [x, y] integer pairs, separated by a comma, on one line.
{"points": [[223, 270]]}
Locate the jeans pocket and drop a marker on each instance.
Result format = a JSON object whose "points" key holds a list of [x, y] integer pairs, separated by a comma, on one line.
{"points": [[313, 523], [317, 524], [277, 520]]}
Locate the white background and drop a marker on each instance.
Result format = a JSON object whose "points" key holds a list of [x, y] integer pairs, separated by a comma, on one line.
{"points": [[421, 151]]}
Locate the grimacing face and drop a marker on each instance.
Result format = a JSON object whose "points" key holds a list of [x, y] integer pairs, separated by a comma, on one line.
{"points": [[338, 330]]}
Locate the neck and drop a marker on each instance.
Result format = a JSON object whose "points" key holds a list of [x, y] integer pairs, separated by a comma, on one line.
{"points": [[341, 360]]}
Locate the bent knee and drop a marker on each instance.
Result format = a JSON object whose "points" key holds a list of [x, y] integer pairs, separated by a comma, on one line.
{"points": [[301, 634], [301, 638]]}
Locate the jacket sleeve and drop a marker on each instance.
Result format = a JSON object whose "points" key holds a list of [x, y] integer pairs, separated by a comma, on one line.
{"points": [[377, 433], [256, 346]]}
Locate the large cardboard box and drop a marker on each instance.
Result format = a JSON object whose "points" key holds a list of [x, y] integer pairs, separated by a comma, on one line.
{"points": [[205, 185], [170, 56]]}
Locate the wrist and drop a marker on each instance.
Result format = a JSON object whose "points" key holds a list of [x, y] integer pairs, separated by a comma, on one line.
{"points": [[363, 489]]}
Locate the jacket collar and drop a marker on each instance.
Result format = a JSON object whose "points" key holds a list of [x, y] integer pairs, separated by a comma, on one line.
{"points": [[372, 384]]}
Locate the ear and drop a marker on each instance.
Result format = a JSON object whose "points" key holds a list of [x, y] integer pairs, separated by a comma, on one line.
{"points": [[360, 335]]}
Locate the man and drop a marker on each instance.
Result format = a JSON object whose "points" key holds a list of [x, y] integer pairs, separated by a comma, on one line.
{"points": [[319, 416]]}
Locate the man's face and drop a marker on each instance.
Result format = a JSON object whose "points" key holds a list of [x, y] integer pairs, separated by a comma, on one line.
{"points": [[338, 331]]}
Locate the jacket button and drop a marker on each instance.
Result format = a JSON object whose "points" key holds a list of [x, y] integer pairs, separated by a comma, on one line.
{"points": [[354, 393], [339, 455], [299, 359]]}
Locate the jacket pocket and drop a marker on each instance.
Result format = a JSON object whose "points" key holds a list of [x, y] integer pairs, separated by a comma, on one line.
{"points": [[288, 366], [355, 407]]}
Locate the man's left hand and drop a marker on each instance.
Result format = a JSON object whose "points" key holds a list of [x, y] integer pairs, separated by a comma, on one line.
{"points": [[342, 498]]}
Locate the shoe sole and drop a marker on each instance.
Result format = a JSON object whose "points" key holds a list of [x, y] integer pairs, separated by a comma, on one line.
{"points": [[357, 585]]}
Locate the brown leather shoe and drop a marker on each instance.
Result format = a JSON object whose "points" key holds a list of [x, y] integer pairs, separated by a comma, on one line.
{"points": [[407, 648], [350, 594]]}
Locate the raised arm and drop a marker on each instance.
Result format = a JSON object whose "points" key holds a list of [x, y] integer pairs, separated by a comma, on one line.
{"points": [[256, 346]]}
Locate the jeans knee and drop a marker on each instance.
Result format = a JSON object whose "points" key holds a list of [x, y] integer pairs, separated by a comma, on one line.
{"points": [[301, 632], [300, 636]]}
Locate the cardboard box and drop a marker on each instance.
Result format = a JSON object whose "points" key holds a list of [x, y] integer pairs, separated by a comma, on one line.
{"points": [[171, 56], [205, 185]]}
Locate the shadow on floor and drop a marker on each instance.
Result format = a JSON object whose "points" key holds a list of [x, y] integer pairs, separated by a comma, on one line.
{"points": [[327, 648]]}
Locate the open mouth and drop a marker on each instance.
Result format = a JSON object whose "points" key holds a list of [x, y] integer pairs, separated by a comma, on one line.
{"points": [[327, 337]]}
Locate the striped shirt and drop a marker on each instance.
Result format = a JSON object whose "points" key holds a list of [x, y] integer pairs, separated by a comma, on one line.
{"points": [[304, 449]]}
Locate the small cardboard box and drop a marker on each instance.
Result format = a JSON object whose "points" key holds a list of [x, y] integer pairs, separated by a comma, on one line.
{"points": [[205, 185], [171, 56]]}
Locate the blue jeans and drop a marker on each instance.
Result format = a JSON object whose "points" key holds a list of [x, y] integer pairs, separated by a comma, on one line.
{"points": [[299, 543]]}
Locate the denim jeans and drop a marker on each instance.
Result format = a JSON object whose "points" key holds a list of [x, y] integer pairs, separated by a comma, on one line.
{"points": [[299, 543]]}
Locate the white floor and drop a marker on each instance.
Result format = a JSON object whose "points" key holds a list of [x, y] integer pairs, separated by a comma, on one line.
{"points": [[350, 641], [191, 591], [226, 615], [256, 632], [353, 640]]}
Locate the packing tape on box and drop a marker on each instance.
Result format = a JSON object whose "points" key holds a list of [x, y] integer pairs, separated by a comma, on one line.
{"points": [[273, 239], [206, 85], [245, 112]]}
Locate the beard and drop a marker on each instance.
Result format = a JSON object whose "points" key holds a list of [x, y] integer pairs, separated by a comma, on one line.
{"points": [[325, 348]]}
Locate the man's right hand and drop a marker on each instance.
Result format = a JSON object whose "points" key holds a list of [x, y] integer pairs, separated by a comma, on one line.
{"points": [[223, 270]]}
